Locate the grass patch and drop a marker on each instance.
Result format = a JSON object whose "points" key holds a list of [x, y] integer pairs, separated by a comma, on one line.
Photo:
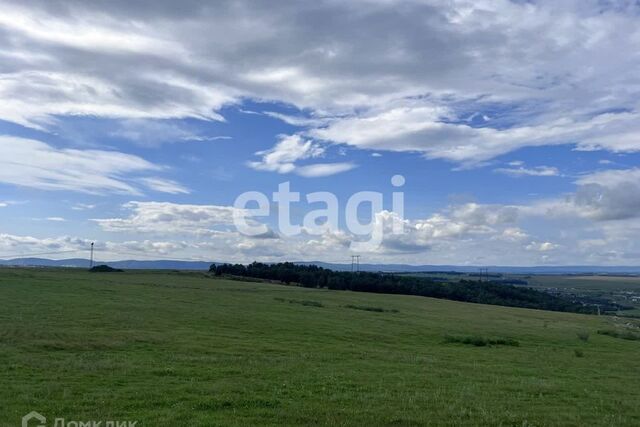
{"points": [[307, 303], [373, 309], [479, 341], [578, 353], [625, 335]]}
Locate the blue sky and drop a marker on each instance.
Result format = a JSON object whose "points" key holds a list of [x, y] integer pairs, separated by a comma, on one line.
{"points": [[515, 125]]}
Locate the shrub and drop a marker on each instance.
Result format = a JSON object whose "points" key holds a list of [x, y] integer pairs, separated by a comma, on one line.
{"points": [[374, 309], [104, 269], [307, 303], [583, 336], [479, 341], [625, 335], [578, 353]]}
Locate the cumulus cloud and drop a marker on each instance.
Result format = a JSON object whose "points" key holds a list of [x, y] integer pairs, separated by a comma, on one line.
{"points": [[14, 245], [601, 196], [541, 247], [291, 149], [465, 234], [282, 157], [165, 217]]}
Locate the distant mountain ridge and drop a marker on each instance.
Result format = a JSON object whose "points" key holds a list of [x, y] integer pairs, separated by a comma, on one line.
{"points": [[125, 264], [389, 268], [406, 268]]}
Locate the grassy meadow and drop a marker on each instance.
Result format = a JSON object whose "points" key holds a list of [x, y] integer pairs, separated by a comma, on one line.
{"points": [[174, 349]]}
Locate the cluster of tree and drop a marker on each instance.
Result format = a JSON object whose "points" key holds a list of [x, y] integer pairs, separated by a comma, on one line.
{"points": [[104, 269], [312, 276]]}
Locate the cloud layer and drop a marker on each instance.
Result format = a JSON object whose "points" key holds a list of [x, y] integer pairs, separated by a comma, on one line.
{"points": [[446, 79]]}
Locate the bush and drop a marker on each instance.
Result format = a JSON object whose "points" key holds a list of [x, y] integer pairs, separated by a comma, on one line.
{"points": [[374, 309], [625, 335], [104, 269], [307, 303], [578, 353], [479, 341], [583, 336]]}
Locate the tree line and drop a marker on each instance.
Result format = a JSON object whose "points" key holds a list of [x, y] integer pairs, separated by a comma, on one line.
{"points": [[312, 276]]}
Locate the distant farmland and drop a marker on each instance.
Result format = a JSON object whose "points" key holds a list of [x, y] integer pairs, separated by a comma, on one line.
{"points": [[170, 349]]}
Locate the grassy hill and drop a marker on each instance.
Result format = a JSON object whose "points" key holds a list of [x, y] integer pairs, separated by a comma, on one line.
{"points": [[186, 349]]}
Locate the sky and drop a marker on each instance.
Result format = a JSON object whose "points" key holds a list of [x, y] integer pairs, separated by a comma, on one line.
{"points": [[137, 125]]}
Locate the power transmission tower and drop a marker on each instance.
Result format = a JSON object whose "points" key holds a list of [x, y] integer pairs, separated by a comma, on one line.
{"points": [[91, 259], [484, 274], [355, 263]]}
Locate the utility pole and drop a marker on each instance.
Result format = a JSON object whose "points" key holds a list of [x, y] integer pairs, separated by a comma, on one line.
{"points": [[91, 260]]}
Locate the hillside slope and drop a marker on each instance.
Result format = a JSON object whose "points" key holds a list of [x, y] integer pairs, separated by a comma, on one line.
{"points": [[187, 349]]}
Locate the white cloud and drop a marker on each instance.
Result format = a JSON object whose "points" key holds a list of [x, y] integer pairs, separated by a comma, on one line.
{"points": [[611, 178], [83, 207], [466, 234], [547, 70], [425, 127], [165, 217], [31, 163], [282, 157], [296, 120], [513, 234], [15, 246], [291, 149], [323, 169], [601, 196], [541, 247], [535, 171], [56, 219], [153, 133], [164, 186]]}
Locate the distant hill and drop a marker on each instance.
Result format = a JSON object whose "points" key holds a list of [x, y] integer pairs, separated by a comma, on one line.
{"points": [[406, 268], [125, 265], [391, 268]]}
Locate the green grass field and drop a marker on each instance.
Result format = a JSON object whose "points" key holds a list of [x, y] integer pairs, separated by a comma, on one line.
{"points": [[173, 349]]}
